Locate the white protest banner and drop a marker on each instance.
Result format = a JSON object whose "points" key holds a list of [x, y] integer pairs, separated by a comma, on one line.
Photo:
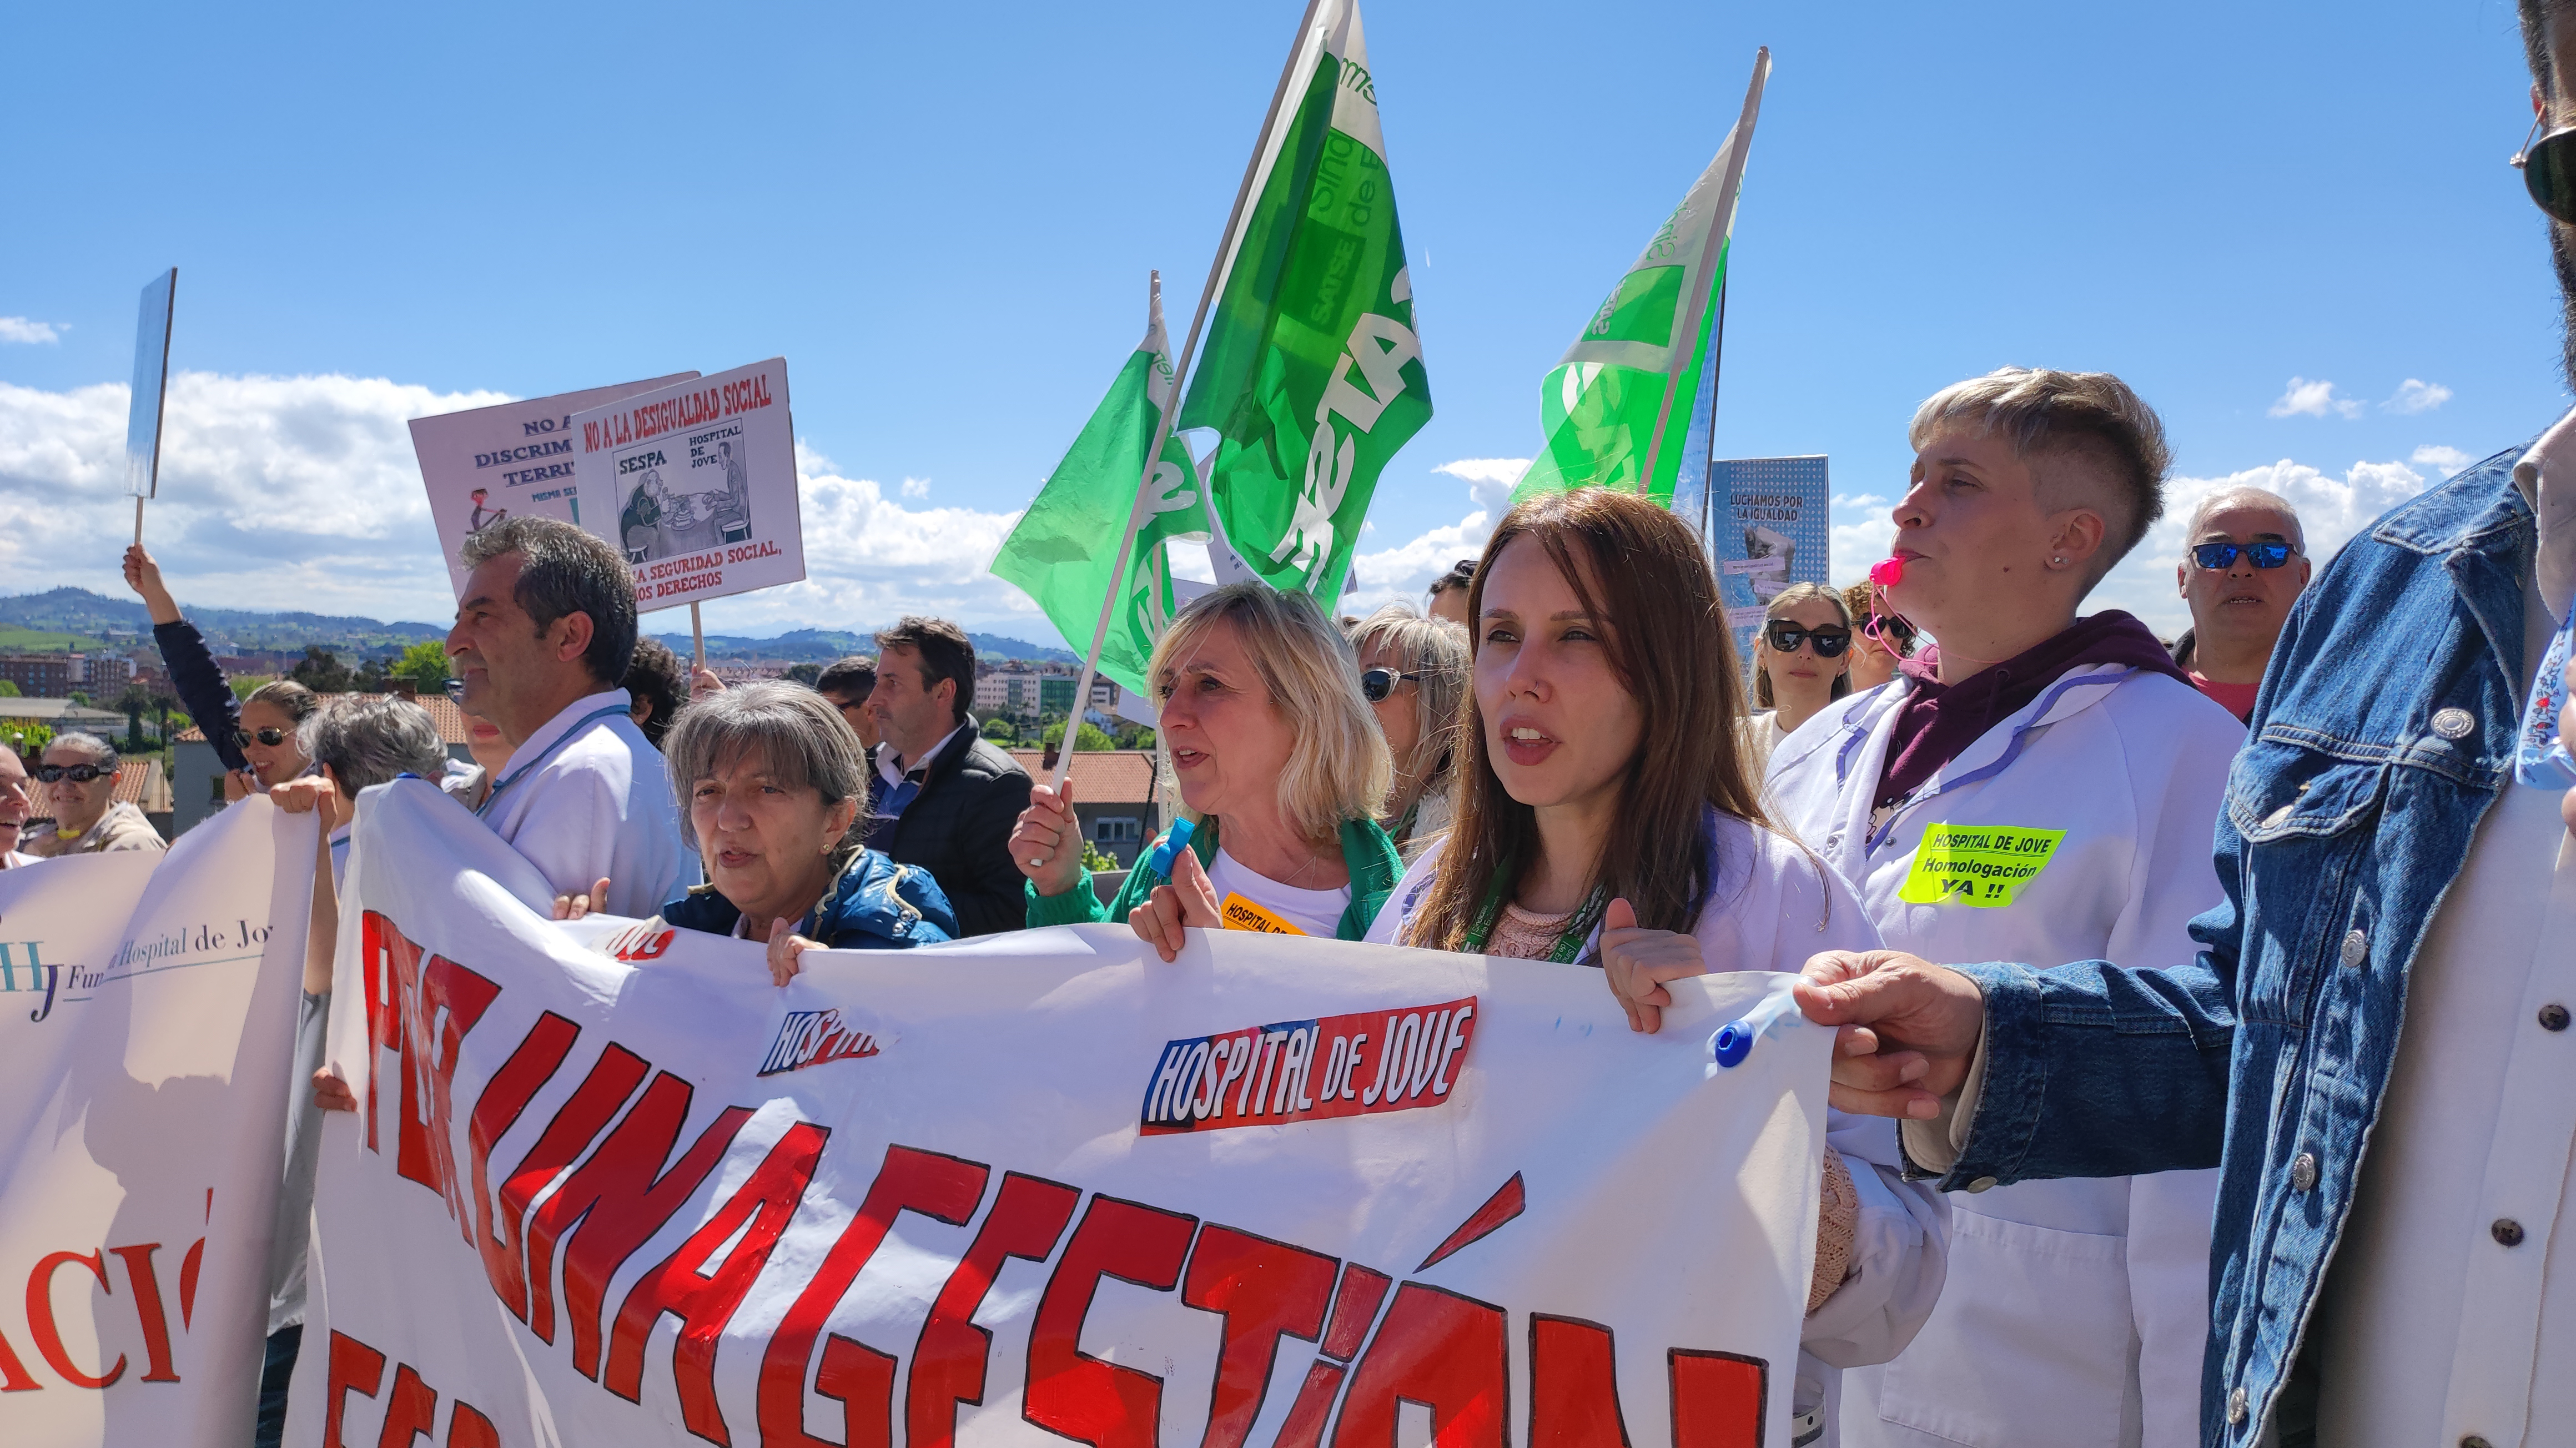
{"points": [[697, 485], [612, 1187], [147, 1015], [512, 461]]}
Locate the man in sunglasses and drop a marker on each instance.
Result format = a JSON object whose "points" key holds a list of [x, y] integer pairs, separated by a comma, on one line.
{"points": [[2243, 567], [2377, 1040], [79, 775]]}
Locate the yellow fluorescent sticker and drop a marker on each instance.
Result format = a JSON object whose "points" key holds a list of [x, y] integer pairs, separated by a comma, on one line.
{"points": [[1242, 914], [1980, 865]]}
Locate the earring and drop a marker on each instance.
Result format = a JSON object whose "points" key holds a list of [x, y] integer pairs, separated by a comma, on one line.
{"points": [[2057, 563]]}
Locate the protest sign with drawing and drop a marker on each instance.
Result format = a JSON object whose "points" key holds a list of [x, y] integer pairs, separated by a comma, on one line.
{"points": [[696, 485], [511, 461], [1771, 526], [147, 1014], [610, 1185]]}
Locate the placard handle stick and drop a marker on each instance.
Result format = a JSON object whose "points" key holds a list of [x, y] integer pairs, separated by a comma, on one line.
{"points": [[138, 520], [698, 632]]}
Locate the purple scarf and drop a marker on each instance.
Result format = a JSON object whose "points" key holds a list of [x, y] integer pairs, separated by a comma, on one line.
{"points": [[1939, 721]]}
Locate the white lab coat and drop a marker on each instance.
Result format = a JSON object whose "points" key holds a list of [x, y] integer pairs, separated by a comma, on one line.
{"points": [[1772, 908], [2075, 1311], [588, 796]]}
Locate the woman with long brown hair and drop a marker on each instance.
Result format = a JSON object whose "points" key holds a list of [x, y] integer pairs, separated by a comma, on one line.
{"points": [[1606, 815]]}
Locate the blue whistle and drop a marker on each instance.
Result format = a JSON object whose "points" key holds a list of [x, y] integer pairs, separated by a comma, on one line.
{"points": [[1734, 1040], [1170, 849]]}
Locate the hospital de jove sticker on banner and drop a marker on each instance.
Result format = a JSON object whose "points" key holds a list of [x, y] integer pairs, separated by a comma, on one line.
{"points": [[1981, 865]]}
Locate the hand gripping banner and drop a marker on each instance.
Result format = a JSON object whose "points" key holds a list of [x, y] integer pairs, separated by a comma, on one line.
{"points": [[147, 1016], [611, 1186]]}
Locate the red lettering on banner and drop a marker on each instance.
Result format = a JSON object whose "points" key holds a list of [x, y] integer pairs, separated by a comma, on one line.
{"points": [[468, 1428], [1304, 1427], [1029, 1214], [40, 1317], [438, 1008], [1438, 1348], [411, 1409], [379, 944], [1718, 1399], [1574, 1385], [705, 1301], [1354, 1308], [1069, 1391], [147, 1306], [613, 1203], [1267, 1290], [1307, 1070], [538, 1056], [14, 1377], [584, 1114], [942, 1187], [355, 1367]]}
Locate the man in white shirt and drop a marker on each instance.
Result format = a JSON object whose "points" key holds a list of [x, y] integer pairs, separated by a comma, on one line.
{"points": [[545, 629]]}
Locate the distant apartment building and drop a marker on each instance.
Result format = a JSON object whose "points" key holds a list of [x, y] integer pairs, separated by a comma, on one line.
{"points": [[103, 671], [752, 672], [1022, 694], [41, 676]]}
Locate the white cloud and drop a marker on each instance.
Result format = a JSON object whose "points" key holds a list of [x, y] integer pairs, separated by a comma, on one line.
{"points": [[916, 487], [2314, 399], [1862, 531], [2448, 459], [302, 492], [20, 329], [1489, 480], [1405, 570], [2414, 396], [2331, 510]]}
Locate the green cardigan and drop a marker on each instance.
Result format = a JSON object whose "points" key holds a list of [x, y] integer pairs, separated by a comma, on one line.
{"points": [[1368, 852]]}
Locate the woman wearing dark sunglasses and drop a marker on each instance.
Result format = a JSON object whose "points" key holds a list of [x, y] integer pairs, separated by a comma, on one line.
{"points": [[255, 736], [1413, 672], [1801, 663]]}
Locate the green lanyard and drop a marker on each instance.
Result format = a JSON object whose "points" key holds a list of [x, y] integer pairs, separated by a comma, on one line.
{"points": [[1568, 945]]}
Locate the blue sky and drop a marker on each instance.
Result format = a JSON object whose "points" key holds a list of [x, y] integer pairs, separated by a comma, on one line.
{"points": [[943, 215]]}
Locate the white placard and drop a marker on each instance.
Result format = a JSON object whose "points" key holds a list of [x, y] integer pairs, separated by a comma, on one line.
{"points": [[511, 461], [696, 484]]}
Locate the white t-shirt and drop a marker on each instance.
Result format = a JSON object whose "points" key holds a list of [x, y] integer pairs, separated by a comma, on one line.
{"points": [[1316, 912], [587, 795]]}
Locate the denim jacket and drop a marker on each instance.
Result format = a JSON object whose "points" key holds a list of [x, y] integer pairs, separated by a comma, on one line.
{"points": [[2383, 731]]}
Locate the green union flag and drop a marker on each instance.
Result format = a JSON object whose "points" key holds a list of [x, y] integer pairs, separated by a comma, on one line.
{"points": [[1312, 371], [1064, 549], [1615, 408]]}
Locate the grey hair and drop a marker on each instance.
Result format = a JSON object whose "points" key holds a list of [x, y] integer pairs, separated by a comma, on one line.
{"points": [[563, 571], [2043, 413], [2245, 496], [792, 730], [97, 750], [367, 739], [1436, 649]]}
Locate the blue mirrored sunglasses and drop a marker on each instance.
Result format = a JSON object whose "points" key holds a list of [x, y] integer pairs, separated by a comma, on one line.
{"points": [[2214, 556]]}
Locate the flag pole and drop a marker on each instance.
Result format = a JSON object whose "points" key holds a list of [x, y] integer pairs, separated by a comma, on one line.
{"points": [[1717, 241], [698, 632], [1708, 464], [1171, 399]]}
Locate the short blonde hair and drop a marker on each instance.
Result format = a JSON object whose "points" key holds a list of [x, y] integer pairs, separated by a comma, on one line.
{"points": [[1339, 769], [1781, 602], [1435, 649], [2046, 413]]}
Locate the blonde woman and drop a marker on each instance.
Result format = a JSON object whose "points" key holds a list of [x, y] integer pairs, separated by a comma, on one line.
{"points": [[1801, 663], [1413, 672], [1265, 734]]}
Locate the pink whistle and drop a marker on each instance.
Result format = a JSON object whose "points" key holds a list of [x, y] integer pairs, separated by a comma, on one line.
{"points": [[1887, 572]]}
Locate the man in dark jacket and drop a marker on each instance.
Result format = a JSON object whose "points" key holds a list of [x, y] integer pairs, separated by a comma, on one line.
{"points": [[943, 798]]}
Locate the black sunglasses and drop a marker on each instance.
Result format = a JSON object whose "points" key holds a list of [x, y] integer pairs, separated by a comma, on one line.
{"points": [[2214, 556], [76, 773], [270, 737], [1785, 638], [1376, 684], [2548, 167]]}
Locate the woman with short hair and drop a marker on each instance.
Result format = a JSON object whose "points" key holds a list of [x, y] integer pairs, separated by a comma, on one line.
{"points": [[1607, 816], [358, 741], [1881, 641], [1264, 732], [255, 737], [770, 785], [1801, 663], [1413, 672]]}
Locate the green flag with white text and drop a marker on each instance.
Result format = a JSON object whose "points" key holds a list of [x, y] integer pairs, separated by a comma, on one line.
{"points": [[1065, 547], [1615, 408], [1312, 369]]}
